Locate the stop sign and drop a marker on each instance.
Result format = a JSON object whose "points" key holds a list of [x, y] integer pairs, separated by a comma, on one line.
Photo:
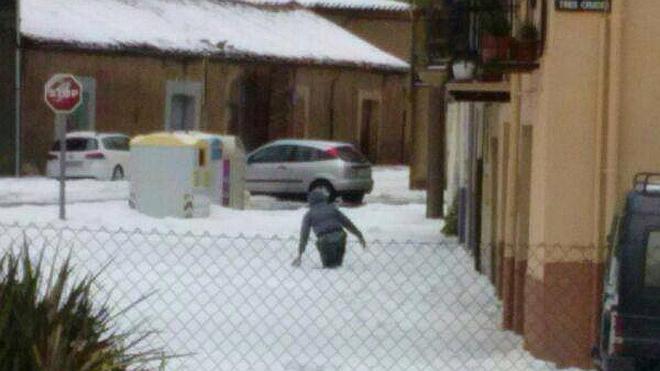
{"points": [[63, 93]]}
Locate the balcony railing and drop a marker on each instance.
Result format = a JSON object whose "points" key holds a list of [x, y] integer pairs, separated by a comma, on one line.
{"points": [[483, 28]]}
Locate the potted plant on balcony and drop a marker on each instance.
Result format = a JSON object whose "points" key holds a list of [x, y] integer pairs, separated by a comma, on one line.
{"points": [[527, 43], [463, 65], [496, 36], [492, 71]]}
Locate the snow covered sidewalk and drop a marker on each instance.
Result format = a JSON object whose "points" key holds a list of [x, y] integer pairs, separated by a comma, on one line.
{"points": [[44, 191]]}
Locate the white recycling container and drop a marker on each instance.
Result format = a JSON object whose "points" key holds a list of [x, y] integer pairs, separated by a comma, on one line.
{"points": [[170, 175]]}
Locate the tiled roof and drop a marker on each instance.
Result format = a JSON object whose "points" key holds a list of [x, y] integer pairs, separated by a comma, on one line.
{"points": [[205, 27]]}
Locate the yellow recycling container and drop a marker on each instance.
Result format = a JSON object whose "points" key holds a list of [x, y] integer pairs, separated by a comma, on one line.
{"points": [[226, 169]]}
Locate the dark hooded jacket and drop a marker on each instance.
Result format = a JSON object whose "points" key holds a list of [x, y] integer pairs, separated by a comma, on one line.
{"points": [[324, 218]]}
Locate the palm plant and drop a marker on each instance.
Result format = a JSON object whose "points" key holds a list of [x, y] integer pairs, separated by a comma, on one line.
{"points": [[46, 323]]}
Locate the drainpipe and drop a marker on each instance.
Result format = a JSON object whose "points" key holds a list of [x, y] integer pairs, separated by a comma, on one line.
{"points": [[614, 115], [292, 91], [17, 93], [511, 202], [412, 97], [600, 135], [333, 85], [205, 113], [607, 144]]}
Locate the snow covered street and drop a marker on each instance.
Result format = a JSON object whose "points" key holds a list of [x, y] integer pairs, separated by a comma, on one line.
{"points": [[390, 212], [226, 297]]}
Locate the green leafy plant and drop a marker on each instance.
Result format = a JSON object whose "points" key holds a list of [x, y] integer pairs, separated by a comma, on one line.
{"points": [[48, 323], [496, 23], [528, 32], [451, 220], [492, 70]]}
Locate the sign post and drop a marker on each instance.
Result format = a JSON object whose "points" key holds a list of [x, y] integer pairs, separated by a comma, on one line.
{"points": [[60, 123], [62, 94]]}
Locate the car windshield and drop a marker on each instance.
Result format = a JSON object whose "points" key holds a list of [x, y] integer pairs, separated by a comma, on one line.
{"points": [[350, 154], [78, 145]]}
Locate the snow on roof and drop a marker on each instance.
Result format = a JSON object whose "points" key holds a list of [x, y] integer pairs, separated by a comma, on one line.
{"points": [[387, 5], [217, 28]]}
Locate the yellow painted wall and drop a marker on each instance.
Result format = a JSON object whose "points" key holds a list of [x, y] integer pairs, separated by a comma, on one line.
{"points": [[639, 128], [568, 117], [564, 147]]}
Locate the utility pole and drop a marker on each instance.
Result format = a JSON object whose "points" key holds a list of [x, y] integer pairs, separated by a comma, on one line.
{"points": [[412, 94], [436, 154]]}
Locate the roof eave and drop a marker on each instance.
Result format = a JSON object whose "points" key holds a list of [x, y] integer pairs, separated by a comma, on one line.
{"points": [[240, 57], [364, 12]]}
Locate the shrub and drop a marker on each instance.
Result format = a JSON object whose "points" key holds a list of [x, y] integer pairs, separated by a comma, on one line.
{"points": [[451, 220], [48, 324], [528, 32]]}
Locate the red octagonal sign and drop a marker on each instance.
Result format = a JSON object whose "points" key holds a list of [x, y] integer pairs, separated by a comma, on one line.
{"points": [[63, 93]]}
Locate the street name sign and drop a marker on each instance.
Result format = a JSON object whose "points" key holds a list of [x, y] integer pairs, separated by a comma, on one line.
{"points": [[583, 5]]}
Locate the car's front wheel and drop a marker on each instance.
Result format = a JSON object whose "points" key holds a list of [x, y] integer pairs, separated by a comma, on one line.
{"points": [[117, 173]]}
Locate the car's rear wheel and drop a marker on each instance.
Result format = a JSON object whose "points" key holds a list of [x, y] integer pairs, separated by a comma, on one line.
{"points": [[117, 173], [325, 187], [353, 197]]}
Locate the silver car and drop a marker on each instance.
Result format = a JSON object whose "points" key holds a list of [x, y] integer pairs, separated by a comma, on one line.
{"points": [[295, 167]]}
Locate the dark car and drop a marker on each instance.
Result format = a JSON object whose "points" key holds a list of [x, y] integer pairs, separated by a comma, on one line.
{"points": [[630, 324]]}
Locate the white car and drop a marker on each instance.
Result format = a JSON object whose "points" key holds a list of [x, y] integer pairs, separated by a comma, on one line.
{"points": [[102, 156]]}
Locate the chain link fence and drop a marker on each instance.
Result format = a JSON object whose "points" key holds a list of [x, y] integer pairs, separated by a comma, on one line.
{"points": [[236, 303]]}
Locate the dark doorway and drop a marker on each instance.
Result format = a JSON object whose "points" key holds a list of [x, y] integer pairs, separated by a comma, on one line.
{"points": [[249, 110], [369, 129]]}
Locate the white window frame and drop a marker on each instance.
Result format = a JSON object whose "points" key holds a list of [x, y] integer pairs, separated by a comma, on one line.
{"points": [[183, 87], [375, 96]]}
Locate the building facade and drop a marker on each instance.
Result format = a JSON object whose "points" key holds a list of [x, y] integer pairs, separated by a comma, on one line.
{"points": [[253, 85], [138, 94], [548, 167]]}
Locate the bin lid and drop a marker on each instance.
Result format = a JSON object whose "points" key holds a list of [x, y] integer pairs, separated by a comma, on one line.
{"points": [[165, 139]]}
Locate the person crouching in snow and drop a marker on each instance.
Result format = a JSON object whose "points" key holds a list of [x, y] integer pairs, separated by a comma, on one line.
{"points": [[328, 224]]}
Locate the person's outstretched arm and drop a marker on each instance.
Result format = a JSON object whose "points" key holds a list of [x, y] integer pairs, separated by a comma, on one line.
{"points": [[304, 237], [348, 224]]}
